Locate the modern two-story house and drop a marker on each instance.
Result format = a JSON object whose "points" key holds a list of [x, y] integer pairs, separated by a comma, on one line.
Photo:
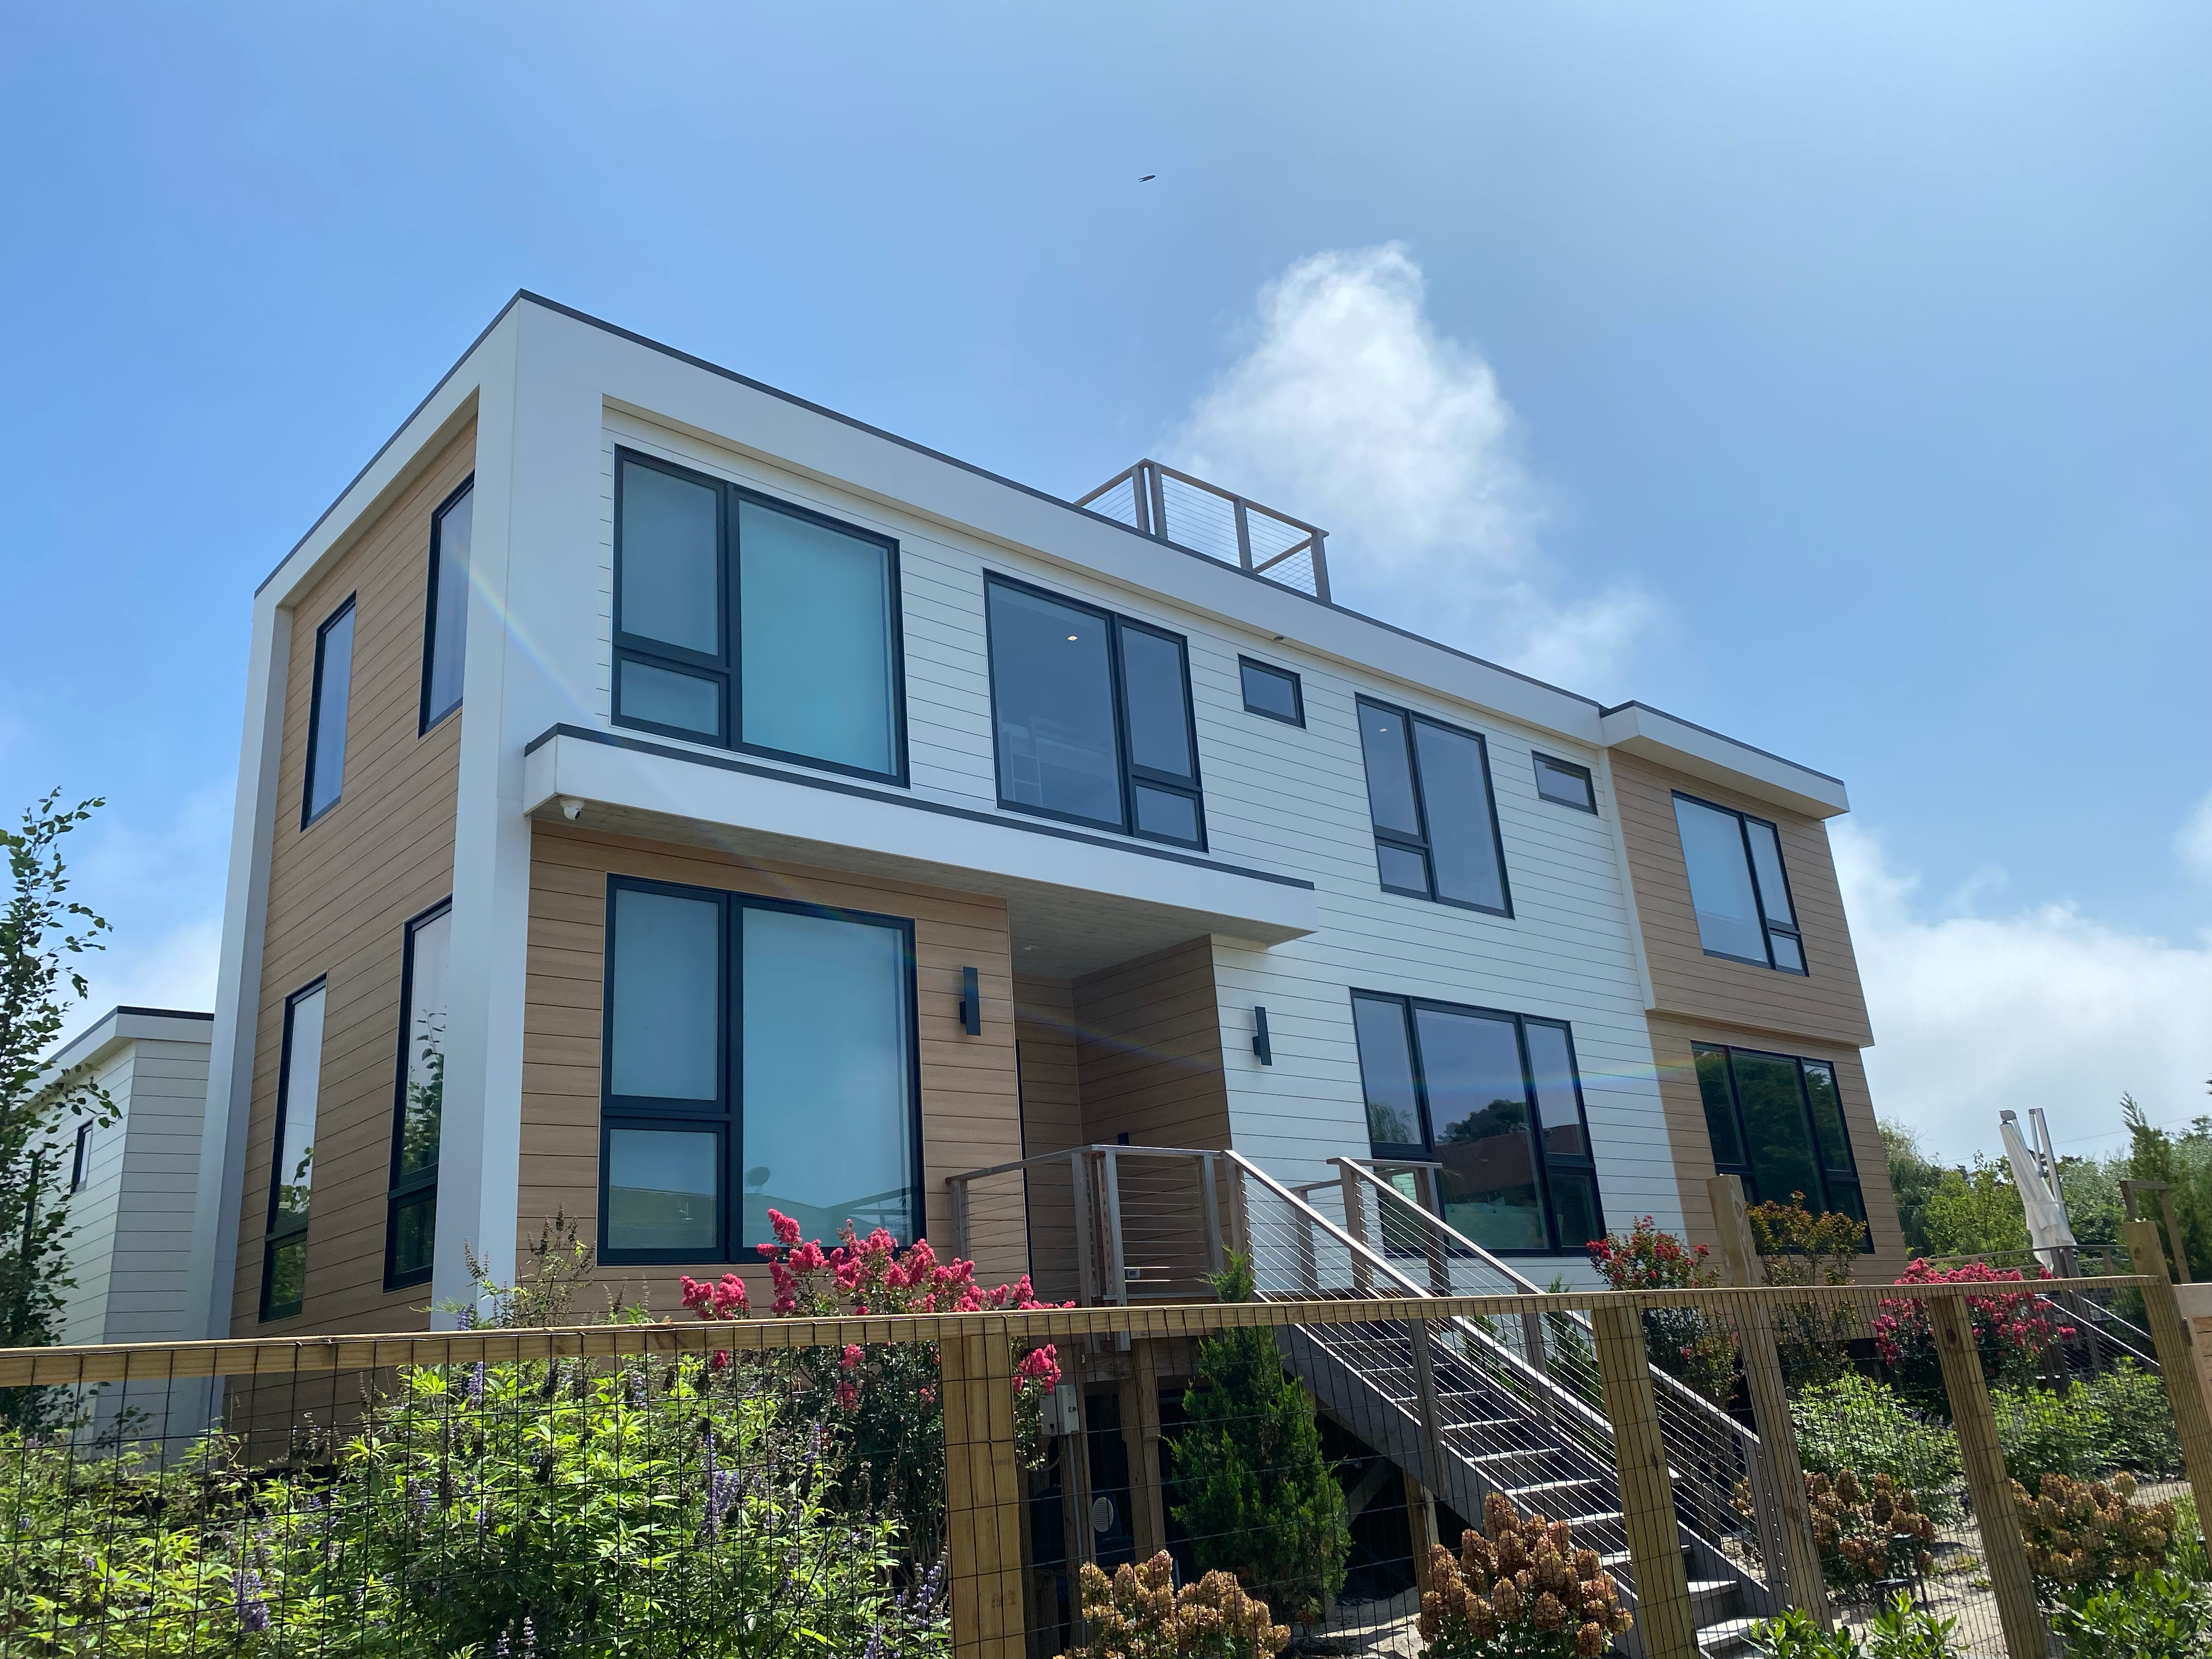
{"points": [[663, 799]]}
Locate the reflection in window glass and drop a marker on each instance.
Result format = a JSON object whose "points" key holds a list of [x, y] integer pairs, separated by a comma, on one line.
{"points": [[1773, 1103], [1273, 692], [285, 1257], [1386, 1073], [815, 621], [1402, 868], [1553, 1069], [1390, 772], [662, 1186], [414, 1233], [666, 997], [828, 1087], [1766, 861], [1720, 1108], [1827, 1118], [446, 648], [1720, 881], [1053, 694], [1567, 784], [1574, 1205], [1159, 718], [1479, 1105], [659, 697], [1462, 832], [429, 979], [1164, 813], [671, 566], [327, 740]]}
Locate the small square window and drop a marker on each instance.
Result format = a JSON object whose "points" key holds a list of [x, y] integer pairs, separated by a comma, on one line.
{"points": [[1273, 692], [1565, 783]]}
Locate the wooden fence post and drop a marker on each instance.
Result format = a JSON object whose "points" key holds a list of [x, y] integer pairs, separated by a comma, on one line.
{"points": [[2004, 1558], [1140, 1435], [982, 1495], [1663, 1615], [1770, 1403], [2177, 1364]]}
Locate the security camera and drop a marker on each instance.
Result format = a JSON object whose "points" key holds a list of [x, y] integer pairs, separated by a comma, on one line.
{"points": [[571, 808]]}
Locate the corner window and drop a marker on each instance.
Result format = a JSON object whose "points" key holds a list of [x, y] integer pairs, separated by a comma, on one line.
{"points": [[1273, 692], [326, 715], [1737, 886], [1092, 716], [1565, 784], [445, 624], [1436, 824], [754, 624], [759, 1054], [80, 1161], [1777, 1121], [412, 1206], [1496, 1100], [291, 1178]]}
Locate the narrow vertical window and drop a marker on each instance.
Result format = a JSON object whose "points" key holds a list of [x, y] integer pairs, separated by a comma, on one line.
{"points": [[81, 1164], [1738, 887], [755, 624], [1435, 819], [1496, 1100], [291, 1180], [446, 629], [759, 1054], [1092, 715], [411, 1210], [326, 715]]}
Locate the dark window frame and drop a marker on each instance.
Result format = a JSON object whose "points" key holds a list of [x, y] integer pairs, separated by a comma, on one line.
{"points": [[1538, 760], [308, 815], [427, 719], [1426, 840], [401, 1190], [81, 1158], [726, 671], [271, 1240], [1131, 774], [1767, 929], [1540, 1157], [725, 1112], [1822, 1174], [1298, 691]]}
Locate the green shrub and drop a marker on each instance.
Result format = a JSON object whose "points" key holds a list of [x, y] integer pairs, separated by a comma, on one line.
{"points": [[1856, 1423], [2154, 1615], [2086, 1536], [2043, 1431], [2138, 1421], [1259, 1500], [1899, 1631]]}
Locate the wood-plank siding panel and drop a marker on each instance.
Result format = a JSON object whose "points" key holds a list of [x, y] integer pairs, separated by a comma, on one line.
{"points": [[1827, 1001], [1672, 1041], [340, 893], [970, 1100], [1149, 1050], [1052, 1122]]}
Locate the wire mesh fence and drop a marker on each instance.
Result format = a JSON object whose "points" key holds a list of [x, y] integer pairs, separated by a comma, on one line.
{"points": [[922, 1484]]}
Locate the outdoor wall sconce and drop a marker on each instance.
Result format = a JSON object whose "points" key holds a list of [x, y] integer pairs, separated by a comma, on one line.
{"points": [[971, 1004], [1260, 1046]]}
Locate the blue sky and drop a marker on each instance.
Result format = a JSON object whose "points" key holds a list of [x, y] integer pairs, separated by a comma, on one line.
{"points": [[1833, 375]]}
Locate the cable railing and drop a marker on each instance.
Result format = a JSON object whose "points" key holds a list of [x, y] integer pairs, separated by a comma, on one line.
{"points": [[1201, 518]]}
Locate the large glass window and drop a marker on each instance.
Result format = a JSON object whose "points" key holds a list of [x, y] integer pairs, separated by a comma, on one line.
{"points": [[326, 715], [446, 632], [1496, 1100], [1777, 1121], [291, 1178], [1435, 824], [411, 1210], [753, 624], [759, 1055], [1092, 715], [1737, 886]]}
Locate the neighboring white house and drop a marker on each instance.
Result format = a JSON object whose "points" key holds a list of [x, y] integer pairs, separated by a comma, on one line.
{"points": [[131, 1182]]}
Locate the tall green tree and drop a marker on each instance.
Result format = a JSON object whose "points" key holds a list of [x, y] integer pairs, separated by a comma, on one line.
{"points": [[1913, 1175], [1258, 1499], [43, 934], [2183, 1161]]}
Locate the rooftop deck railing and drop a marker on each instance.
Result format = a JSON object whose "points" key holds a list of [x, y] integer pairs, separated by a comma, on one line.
{"points": [[1203, 518]]}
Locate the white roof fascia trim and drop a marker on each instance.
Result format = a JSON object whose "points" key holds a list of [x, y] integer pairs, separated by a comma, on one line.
{"points": [[111, 1031], [1676, 743]]}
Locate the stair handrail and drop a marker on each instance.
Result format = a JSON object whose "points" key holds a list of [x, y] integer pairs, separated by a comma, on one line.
{"points": [[1673, 1386], [1529, 1374]]}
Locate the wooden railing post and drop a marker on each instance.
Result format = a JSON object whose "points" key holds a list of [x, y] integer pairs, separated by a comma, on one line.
{"points": [[982, 1495], [2177, 1364], [1355, 1223], [1664, 1617], [2004, 1558], [1784, 1486]]}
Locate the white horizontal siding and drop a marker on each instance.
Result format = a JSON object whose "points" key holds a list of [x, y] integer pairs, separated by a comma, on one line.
{"points": [[1293, 801]]}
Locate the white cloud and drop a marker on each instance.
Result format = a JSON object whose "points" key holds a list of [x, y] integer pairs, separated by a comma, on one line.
{"points": [[2043, 1006], [1350, 411]]}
